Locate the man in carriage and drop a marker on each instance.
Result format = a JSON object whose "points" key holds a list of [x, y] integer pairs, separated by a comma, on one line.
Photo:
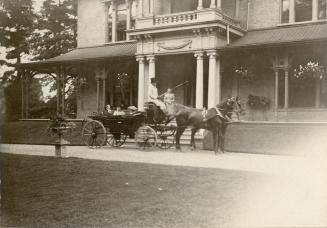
{"points": [[153, 95]]}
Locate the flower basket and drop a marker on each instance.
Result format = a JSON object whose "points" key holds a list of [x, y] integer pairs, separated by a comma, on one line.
{"points": [[244, 73], [310, 70]]}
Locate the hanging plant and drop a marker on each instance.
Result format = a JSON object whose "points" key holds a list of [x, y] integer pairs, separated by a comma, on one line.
{"points": [[244, 73], [310, 70]]}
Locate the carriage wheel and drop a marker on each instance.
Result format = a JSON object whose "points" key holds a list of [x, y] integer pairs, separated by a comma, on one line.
{"points": [[145, 136], [116, 140], [166, 138], [94, 134]]}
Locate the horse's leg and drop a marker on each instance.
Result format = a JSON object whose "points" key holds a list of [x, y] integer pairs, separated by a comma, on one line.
{"points": [[215, 140], [179, 133], [194, 130], [223, 132]]}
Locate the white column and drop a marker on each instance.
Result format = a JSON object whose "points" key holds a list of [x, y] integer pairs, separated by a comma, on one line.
{"points": [[318, 93], [199, 80], [276, 88], [212, 82], [314, 10], [218, 80], [200, 5], [128, 17], [106, 27], [151, 2], [140, 99], [98, 93], [114, 22], [213, 4], [292, 11], [104, 91], [152, 66], [219, 4], [286, 89], [140, 8], [237, 9]]}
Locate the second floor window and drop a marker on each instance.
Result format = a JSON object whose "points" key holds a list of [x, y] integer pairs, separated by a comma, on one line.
{"points": [[303, 10], [322, 9]]}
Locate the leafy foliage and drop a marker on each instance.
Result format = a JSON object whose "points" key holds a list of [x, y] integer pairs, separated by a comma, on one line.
{"points": [[258, 102], [57, 30], [310, 70]]}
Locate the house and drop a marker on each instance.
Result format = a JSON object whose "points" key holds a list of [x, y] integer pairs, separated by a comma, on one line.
{"points": [[214, 48]]}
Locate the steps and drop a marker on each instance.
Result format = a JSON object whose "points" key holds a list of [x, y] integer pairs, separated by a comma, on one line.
{"points": [[184, 140]]}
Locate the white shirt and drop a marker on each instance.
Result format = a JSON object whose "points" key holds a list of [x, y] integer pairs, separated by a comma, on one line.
{"points": [[153, 92]]}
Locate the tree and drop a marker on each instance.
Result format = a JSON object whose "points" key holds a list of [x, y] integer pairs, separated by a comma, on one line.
{"points": [[56, 34], [16, 25], [57, 30]]}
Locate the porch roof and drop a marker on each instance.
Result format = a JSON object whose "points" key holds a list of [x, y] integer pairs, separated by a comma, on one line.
{"points": [[301, 33], [124, 49]]}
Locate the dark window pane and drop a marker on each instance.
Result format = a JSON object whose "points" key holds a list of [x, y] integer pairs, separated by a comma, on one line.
{"points": [[285, 11], [303, 10], [322, 8]]}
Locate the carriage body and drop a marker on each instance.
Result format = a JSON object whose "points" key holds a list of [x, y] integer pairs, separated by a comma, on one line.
{"points": [[144, 127]]}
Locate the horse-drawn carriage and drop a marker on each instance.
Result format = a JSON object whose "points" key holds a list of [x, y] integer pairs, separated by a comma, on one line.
{"points": [[149, 129]]}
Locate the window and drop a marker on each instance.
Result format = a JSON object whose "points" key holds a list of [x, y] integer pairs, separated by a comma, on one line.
{"points": [[285, 11], [322, 9], [303, 10]]}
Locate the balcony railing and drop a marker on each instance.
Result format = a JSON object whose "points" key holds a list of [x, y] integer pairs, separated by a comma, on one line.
{"points": [[185, 18], [175, 18]]}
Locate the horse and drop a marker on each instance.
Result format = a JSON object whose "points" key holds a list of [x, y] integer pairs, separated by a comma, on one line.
{"points": [[214, 119]]}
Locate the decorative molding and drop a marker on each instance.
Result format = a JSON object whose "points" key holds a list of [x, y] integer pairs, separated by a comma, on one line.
{"points": [[174, 46]]}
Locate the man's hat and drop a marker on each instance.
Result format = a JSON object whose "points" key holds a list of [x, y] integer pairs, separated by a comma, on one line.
{"points": [[153, 80]]}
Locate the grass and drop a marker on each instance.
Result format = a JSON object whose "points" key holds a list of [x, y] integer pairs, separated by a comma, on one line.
{"points": [[53, 192]]}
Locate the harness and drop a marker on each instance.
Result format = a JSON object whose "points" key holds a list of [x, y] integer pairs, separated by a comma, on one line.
{"points": [[204, 113]]}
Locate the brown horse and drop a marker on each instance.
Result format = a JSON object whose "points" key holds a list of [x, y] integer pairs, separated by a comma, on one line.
{"points": [[215, 120]]}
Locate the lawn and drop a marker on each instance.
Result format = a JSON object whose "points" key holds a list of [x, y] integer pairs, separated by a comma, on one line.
{"points": [[54, 192]]}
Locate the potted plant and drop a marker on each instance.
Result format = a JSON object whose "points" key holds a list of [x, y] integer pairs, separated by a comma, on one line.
{"points": [[59, 125], [258, 103]]}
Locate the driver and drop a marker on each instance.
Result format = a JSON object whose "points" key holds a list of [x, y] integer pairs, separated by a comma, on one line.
{"points": [[153, 95]]}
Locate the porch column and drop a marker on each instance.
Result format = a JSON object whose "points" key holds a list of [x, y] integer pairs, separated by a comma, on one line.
{"points": [[213, 4], [152, 66], [114, 22], [292, 11], [276, 88], [314, 10], [286, 88], [200, 5], [214, 79], [219, 4], [318, 91], [128, 17], [27, 95], [22, 78], [98, 92], [63, 90], [199, 80], [104, 90], [140, 98], [59, 93]]}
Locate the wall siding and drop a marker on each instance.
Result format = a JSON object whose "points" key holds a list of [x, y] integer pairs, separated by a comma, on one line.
{"points": [[264, 13], [91, 23]]}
